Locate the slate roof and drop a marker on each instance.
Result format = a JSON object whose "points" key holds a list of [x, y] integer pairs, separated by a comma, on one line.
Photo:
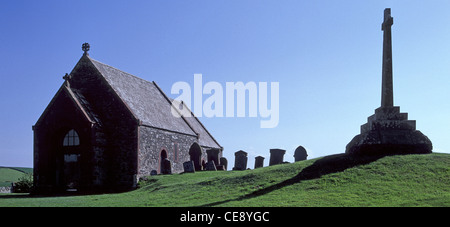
{"points": [[150, 105], [198, 127], [85, 106]]}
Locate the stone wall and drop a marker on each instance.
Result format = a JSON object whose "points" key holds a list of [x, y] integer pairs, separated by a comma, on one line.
{"points": [[153, 141], [5, 190], [114, 159]]}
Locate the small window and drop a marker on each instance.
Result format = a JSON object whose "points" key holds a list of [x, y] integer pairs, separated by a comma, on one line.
{"points": [[71, 139]]}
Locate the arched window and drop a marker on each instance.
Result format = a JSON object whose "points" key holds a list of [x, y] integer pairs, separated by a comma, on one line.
{"points": [[71, 139]]}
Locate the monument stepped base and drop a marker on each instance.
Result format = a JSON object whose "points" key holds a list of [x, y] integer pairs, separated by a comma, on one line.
{"points": [[389, 132], [387, 142]]}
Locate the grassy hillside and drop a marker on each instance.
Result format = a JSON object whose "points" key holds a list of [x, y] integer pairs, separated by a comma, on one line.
{"points": [[11, 174], [336, 180]]}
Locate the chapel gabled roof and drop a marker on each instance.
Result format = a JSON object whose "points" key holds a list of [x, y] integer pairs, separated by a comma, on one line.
{"points": [[78, 100], [150, 105]]}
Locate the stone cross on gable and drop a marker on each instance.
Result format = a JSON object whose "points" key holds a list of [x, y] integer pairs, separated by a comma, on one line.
{"points": [[85, 47], [67, 77], [387, 92]]}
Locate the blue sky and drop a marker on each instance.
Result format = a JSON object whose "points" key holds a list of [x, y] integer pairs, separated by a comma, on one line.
{"points": [[326, 56]]}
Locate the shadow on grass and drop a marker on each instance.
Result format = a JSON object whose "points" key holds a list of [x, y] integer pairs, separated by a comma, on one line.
{"points": [[28, 195], [14, 196], [50, 195], [327, 165]]}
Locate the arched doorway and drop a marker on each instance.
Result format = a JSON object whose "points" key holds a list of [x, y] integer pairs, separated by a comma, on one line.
{"points": [[195, 153], [163, 154]]}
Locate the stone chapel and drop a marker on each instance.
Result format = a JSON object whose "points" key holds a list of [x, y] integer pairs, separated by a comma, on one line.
{"points": [[105, 128]]}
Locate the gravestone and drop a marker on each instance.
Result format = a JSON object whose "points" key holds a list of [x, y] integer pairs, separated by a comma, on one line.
{"points": [[153, 173], [211, 166], [213, 155], [166, 167], [224, 163], [300, 154], [388, 131], [189, 167], [203, 165], [259, 162], [276, 156], [240, 160]]}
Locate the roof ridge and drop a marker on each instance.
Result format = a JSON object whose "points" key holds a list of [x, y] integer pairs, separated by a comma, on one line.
{"points": [[93, 62], [147, 102], [118, 69]]}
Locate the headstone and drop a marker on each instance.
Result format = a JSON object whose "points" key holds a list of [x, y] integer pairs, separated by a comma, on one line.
{"points": [[211, 166], [276, 156], [388, 131], [166, 167], [189, 167], [300, 154], [259, 162], [153, 173], [203, 165], [213, 155], [240, 160], [224, 163]]}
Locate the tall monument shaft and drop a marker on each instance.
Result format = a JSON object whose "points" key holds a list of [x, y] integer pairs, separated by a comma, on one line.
{"points": [[388, 131], [387, 92]]}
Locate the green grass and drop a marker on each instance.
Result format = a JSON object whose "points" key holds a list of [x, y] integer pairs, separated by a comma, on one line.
{"points": [[11, 174], [408, 180]]}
